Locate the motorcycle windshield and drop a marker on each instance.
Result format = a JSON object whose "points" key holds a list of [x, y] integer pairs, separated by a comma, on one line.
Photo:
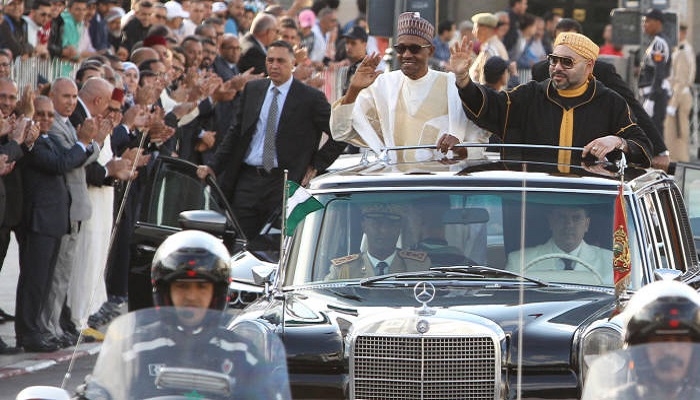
{"points": [[658, 370], [186, 353]]}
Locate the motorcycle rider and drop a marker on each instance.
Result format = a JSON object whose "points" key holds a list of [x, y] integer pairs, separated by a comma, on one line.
{"points": [[661, 336], [190, 273]]}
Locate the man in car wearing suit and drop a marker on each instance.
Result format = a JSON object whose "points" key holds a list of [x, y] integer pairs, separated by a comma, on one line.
{"points": [[279, 126], [568, 225], [381, 223]]}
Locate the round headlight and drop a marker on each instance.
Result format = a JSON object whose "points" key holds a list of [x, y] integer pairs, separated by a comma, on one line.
{"points": [[596, 342]]}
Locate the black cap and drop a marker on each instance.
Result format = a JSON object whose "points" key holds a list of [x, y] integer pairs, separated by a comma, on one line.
{"points": [[656, 14], [494, 68], [356, 32]]}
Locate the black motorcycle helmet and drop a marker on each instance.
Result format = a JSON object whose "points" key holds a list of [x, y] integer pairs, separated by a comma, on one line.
{"points": [[195, 255], [663, 308]]}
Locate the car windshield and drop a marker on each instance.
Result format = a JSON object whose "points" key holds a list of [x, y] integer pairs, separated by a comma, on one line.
{"points": [[566, 238]]}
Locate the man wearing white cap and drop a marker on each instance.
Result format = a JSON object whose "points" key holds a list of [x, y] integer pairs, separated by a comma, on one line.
{"points": [[485, 25], [114, 36], [178, 21], [570, 109], [411, 106], [219, 9]]}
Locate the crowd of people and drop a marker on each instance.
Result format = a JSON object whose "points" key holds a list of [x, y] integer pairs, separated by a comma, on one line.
{"points": [[242, 89]]}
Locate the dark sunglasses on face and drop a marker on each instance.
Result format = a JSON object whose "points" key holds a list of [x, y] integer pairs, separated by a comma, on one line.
{"points": [[413, 48], [566, 62]]}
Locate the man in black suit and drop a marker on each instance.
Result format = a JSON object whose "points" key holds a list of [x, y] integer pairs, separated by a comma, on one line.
{"points": [[263, 31], [11, 150], [45, 220], [255, 153], [225, 64], [606, 73], [137, 28], [10, 184]]}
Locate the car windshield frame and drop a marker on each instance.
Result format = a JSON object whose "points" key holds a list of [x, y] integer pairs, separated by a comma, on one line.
{"points": [[310, 257]]}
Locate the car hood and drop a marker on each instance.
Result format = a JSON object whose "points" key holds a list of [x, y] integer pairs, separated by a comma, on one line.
{"points": [[548, 316]]}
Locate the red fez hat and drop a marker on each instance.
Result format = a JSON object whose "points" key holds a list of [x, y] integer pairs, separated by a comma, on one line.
{"points": [[118, 95], [154, 40]]}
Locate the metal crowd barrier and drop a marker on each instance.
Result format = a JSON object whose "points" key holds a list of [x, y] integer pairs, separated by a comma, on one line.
{"points": [[27, 72]]}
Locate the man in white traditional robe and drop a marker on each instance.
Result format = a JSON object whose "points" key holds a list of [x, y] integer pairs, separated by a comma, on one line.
{"points": [[410, 106]]}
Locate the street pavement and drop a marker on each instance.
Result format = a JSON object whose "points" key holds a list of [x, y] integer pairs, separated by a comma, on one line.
{"points": [[23, 363]]}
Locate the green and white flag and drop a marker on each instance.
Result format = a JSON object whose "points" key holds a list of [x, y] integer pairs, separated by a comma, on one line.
{"points": [[299, 204]]}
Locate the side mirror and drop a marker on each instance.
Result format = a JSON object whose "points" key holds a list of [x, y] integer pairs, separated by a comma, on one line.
{"points": [[667, 274], [264, 275], [203, 220]]}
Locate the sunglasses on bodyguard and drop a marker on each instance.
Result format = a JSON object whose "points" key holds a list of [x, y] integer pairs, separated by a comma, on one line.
{"points": [[413, 48], [566, 62]]}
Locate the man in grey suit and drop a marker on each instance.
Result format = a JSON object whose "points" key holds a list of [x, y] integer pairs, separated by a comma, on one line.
{"points": [[64, 95]]}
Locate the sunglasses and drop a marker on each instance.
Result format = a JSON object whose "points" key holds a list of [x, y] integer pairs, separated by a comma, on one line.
{"points": [[566, 62], [413, 48]]}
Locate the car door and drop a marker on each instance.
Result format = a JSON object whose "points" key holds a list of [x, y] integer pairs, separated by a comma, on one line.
{"points": [[173, 187], [687, 176]]}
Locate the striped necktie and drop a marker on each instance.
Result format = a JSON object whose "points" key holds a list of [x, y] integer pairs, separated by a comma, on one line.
{"points": [[269, 151]]}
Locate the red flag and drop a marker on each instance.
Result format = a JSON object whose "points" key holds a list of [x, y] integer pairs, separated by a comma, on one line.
{"points": [[621, 245]]}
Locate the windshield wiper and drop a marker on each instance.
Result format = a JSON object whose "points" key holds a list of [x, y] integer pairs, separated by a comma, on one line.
{"points": [[476, 271], [486, 272]]}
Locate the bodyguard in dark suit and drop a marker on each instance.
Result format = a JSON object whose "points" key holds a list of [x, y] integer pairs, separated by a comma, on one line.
{"points": [[606, 73], [278, 127], [263, 31], [45, 221]]}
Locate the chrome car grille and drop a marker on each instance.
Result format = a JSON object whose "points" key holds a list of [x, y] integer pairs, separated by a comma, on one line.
{"points": [[418, 367]]}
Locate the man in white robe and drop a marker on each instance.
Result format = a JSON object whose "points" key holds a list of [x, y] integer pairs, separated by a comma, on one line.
{"points": [[410, 106]]}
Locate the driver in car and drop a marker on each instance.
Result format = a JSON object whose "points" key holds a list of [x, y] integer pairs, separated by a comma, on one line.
{"points": [[381, 224], [568, 225]]}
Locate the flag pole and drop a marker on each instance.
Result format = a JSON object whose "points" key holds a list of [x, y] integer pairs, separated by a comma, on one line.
{"points": [[621, 253], [283, 225]]}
